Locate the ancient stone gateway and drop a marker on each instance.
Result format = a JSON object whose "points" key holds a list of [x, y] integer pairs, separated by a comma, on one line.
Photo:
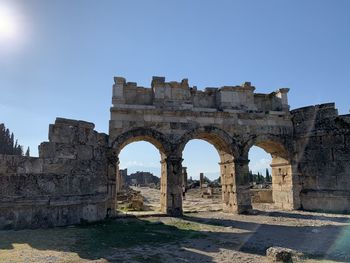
{"points": [[76, 176], [231, 118]]}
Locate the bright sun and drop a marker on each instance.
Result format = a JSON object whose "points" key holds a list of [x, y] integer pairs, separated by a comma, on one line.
{"points": [[7, 23]]}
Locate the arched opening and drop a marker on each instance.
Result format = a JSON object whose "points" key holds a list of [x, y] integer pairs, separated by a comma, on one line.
{"points": [[260, 178], [169, 201], [201, 177], [139, 178], [233, 171], [271, 158]]}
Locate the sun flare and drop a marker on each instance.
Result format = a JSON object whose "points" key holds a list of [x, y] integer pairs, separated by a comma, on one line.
{"points": [[7, 23]]}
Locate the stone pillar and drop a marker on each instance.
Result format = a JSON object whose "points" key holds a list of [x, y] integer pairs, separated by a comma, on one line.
{"points": [[244, 204], [296, 185], [171, 186], [282, 95], [285, 184], [184, 177], [201, 180], [119, 180], [112, 185], [235, 186]]}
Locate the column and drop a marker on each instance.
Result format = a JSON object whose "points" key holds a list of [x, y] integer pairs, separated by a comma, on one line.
{"points": [[184, 177], [235, 186], [113, 169], [285, 184], [171, 185], [244, 204], [201, 180]]}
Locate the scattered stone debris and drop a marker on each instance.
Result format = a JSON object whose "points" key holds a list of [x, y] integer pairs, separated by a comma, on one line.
{"points": [[281, 254], [130, 199]]}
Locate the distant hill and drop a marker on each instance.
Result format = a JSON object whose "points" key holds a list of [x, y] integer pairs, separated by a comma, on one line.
{"points": [[142, 178]]}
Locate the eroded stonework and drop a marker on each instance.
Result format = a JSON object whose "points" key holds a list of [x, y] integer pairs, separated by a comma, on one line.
{"points": [[76, 176], [70, 181]]}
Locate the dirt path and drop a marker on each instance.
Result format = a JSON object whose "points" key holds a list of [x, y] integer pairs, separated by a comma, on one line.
{"points": [[206, 235]]}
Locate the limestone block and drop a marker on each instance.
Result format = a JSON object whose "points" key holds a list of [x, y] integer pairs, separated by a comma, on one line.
{"points": [[90, 213], [62, 133], [99, 153], [341, 153], [309, 182], [327, 182], [87, 136], [9, 164], [58, 166], [280, 197], [47, 150], [31, 165], [102, 139], [326, 200], [343, 181], [84, 152], [65, 151]]}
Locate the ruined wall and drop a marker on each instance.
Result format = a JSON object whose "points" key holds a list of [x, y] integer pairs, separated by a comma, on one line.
{"points": [[182, 96], [74, 177], [70, 181], [322, 141]]}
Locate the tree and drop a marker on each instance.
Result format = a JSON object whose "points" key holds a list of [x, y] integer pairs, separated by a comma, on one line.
{"points": [[268, 177], [8, 144], [27, 152]]}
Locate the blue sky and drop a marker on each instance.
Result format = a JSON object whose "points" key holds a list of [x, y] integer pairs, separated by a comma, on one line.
{"points": [[63, 54]]}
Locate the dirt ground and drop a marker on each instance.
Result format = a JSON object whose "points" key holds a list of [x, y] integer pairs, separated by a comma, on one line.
{"points": [[204, 234]]}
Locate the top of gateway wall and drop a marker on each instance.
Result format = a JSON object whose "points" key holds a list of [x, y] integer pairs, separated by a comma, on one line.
{"points": [[180, 96]]}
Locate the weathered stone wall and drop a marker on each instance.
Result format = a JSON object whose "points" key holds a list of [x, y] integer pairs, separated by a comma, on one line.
{"points": [[261, 195], [182, 96], [71, 180], [76, 175], [322, 140]]}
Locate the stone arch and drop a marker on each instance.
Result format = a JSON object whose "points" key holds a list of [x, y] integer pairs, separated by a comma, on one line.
{"points": [[152, 136], [285, 181], [170, 190], [272, 144], [224, 143], [235, 198]]}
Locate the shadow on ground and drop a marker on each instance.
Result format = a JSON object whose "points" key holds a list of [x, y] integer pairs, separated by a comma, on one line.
{"points": [[330, 242], [103, 239]]}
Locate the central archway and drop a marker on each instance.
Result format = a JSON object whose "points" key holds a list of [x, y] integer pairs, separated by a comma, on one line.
{"points": [[233, 169]]}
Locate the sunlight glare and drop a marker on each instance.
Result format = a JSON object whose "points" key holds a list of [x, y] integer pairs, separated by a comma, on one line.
{"points": [[8, 27]]}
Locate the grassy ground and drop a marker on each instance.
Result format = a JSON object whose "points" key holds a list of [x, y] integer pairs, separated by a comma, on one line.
{"points": [[93, 241]]}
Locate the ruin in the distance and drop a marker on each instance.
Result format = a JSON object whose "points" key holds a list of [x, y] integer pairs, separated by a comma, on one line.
{"points": [[76, 175]]}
